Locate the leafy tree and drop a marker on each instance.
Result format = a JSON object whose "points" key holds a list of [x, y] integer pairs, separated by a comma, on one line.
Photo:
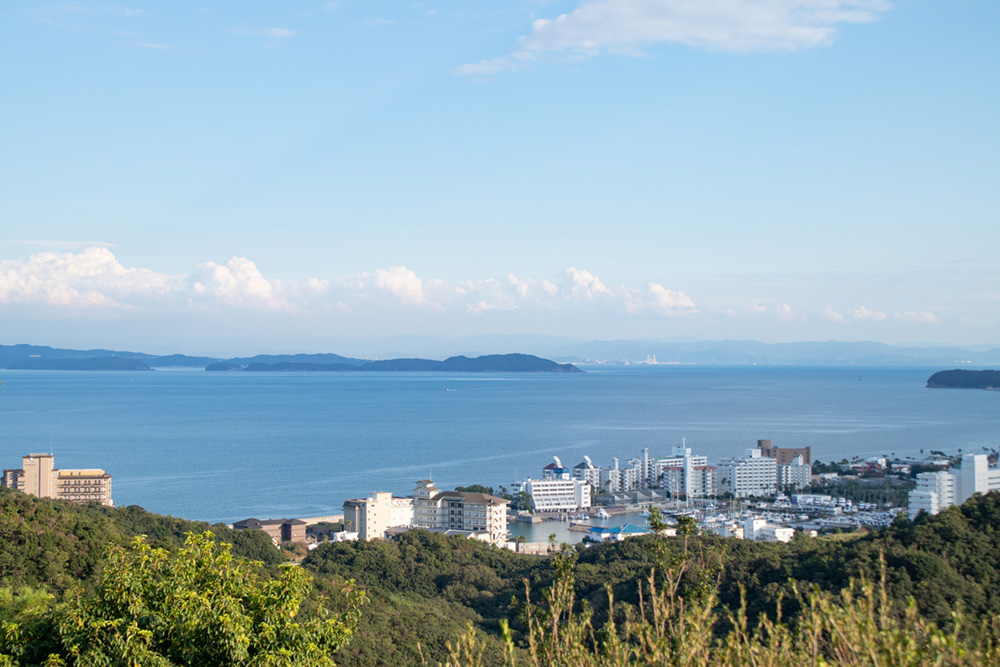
{"points": [[200, 606], [476, 488]]}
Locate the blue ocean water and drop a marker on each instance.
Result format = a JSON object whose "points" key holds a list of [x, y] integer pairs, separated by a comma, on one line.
{"points": [[226, 446]]}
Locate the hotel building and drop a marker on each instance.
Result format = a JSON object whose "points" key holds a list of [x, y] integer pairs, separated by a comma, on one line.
{"points": [[38, 476], [475, 514]]}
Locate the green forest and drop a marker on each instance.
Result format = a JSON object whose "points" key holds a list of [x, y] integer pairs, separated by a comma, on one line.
{"points": [[90, 585]]}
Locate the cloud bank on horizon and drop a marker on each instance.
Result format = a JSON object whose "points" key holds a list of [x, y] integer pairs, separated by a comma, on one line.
{"points": [[92, 284], [629, 26]]}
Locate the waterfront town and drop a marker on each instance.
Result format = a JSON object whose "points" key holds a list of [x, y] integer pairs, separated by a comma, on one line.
{"points": [[768, 493]]}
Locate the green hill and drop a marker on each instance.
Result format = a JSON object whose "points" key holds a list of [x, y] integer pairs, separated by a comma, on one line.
{"points": [[425, 590]]}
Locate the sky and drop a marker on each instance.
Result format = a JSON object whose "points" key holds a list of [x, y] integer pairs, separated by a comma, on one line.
{"points": [[263, 176]]}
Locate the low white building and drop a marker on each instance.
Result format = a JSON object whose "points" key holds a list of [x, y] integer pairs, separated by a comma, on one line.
{"points": [[760, 530], [557, 495], [937, 490]]}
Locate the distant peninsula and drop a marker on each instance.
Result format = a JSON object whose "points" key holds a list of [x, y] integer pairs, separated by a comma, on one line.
{"points": [[962, 379], [493, 363]]}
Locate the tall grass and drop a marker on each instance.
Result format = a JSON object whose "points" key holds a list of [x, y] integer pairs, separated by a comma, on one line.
{"points": [[679, 622]]}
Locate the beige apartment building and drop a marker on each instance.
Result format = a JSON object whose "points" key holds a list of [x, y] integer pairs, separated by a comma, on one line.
{"points": [[38, 476], [370, 517], [785, 455], [474, 513]]}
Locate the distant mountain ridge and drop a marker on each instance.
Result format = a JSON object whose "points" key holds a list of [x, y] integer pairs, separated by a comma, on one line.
{"points": [[560, 350], [494, 363]]}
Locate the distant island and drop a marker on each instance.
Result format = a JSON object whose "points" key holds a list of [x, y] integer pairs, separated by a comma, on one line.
{"points": [[38, 358], [492, 363], [962, 379]]}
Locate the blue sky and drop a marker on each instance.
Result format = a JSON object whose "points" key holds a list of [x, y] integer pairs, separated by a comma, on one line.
{"points": [[264, 175]]}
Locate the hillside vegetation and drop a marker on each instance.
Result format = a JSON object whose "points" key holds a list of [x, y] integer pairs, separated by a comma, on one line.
{"points": [[625, 603]]}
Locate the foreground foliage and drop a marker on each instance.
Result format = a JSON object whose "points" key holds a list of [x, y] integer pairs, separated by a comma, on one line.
{"points": [[425, 590], [199, 607], [680, 622]]}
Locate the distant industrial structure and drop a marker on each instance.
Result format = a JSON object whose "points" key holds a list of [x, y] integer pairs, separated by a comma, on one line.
{"points": [[39, 477]]}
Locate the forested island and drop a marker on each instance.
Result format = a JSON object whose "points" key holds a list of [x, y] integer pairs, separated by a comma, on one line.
{"points": [[77, 583], [493, 363], [32, 357], [964, 379]]}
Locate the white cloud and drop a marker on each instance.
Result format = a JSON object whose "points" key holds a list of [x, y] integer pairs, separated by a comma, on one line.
{"points": [[666, 300], [628, 26], [785, 312], [585, 284], [90, 278], [919, 316], [267, 32], [863, 313], [123, 11], [831, 315], [237, 282], [519, 286], [401, 283]]}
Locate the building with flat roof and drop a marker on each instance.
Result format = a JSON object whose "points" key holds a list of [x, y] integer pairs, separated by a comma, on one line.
{"points": [[785, 455], [557, 495], [748, 475], [370, 517], [39, 477], [937, 490], [280, 530]]}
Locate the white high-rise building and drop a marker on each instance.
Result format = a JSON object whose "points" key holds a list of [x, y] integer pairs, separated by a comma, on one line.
{"points": [[748, 475], [937, 490], [651, 470], [685, 473]]}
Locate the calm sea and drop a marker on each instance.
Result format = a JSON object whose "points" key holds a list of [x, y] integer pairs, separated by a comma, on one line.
{"points": [[226, 446]]}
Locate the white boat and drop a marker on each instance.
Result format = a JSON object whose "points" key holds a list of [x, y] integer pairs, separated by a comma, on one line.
{"points": [[602, 514]]}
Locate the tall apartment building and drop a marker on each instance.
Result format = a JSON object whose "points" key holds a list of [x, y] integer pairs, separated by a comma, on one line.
{"points": [[691, 480], [605, 480], [554, 495], [794, 476], [748, 475], [370, 517], [461, 511], [785, 455], [38, 476], [651, 470], [937, 490]]}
